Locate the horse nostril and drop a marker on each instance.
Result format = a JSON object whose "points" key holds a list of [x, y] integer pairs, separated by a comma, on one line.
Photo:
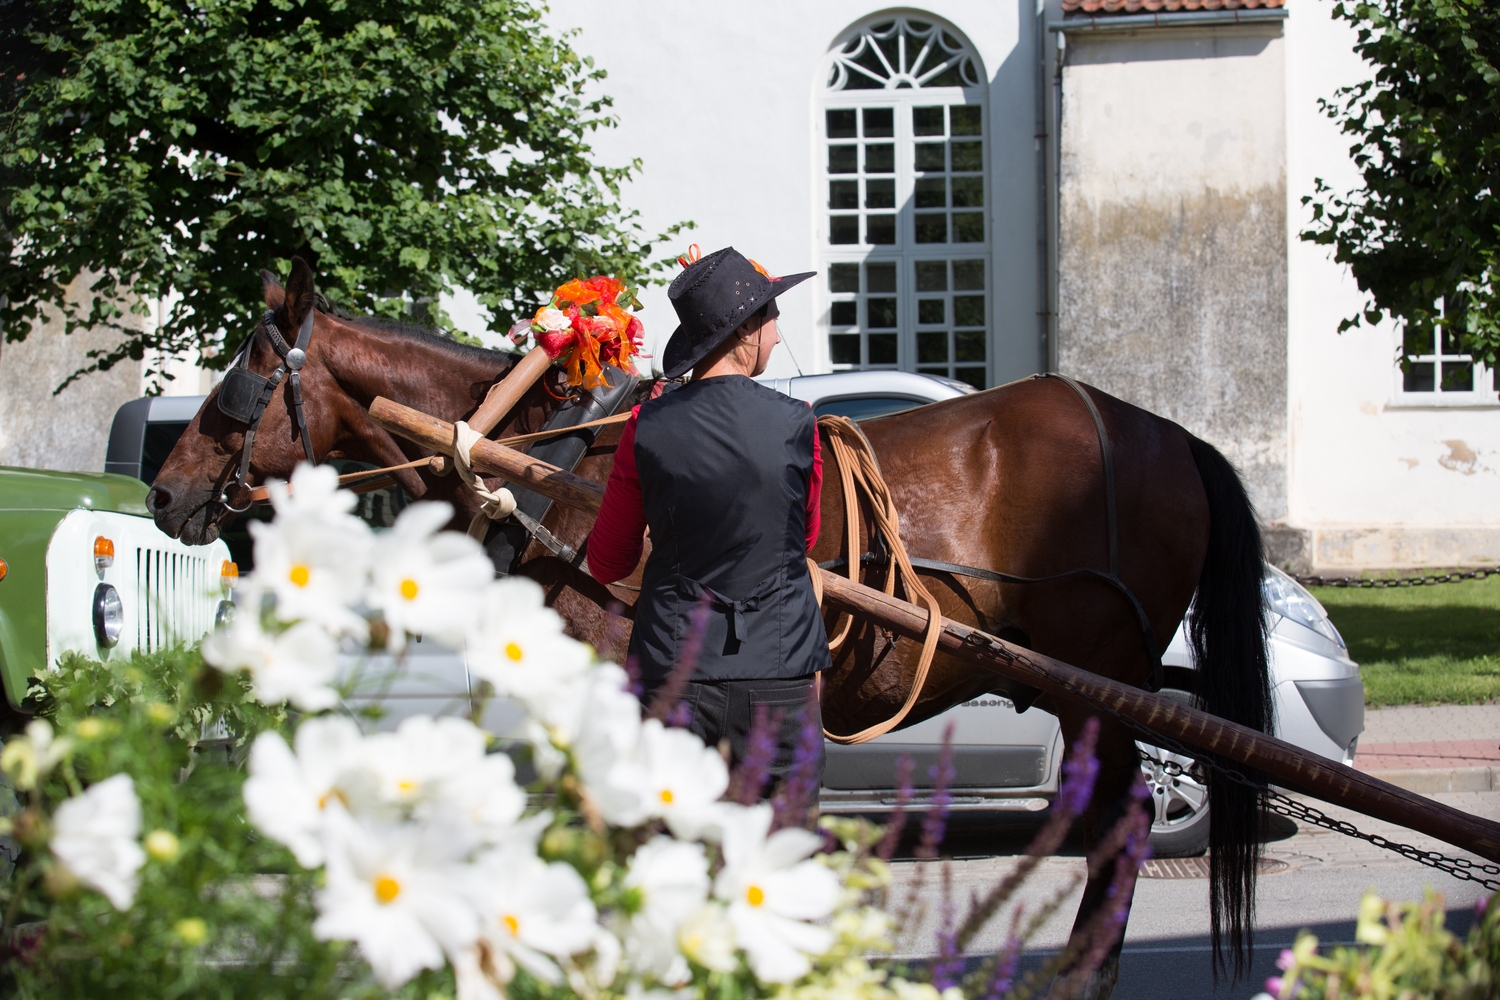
{"points": [[159, 498]]}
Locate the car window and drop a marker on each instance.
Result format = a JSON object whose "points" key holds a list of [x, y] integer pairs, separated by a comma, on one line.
{"points": [[159, 441], [865, 407]]}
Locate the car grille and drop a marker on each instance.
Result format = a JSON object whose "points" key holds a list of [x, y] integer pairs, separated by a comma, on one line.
{"points": [[174, 602]]}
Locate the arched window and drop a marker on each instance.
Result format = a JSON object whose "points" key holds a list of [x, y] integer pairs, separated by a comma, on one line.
{"points": [[904, 239]]}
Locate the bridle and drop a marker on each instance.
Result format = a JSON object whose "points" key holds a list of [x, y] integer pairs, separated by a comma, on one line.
{"points": [[244, 396]]}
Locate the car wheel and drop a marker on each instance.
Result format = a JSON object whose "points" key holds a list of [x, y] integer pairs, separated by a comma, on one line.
{"points": [[1179, 798]]}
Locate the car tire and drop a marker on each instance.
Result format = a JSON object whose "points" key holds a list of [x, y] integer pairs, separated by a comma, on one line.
{"points": [[1179, 799]]}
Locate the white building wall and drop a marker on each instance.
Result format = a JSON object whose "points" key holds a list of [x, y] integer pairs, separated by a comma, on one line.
{"points": [[1375, 483], [720, 103]]}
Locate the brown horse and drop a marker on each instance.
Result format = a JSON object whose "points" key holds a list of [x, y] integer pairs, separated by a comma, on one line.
{"points": [[1010, 479]]}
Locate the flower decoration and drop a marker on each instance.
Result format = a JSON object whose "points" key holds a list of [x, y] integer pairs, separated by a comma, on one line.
{"points": [[586, 326]]}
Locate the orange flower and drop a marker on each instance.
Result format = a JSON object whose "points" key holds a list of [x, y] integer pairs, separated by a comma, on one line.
{"points": [[576, 292]]}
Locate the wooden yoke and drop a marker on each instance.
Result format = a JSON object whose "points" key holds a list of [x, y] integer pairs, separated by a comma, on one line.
{"points": [[503, 395], [1285, 765]]}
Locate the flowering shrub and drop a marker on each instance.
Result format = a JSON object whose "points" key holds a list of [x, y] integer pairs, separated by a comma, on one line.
{"points": [[302, 856], [1407, 953]]}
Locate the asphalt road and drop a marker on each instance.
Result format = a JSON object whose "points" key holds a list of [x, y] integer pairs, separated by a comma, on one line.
{"points": [[1166, 953]]}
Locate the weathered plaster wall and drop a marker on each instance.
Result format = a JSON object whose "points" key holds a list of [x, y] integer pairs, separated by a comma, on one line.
{"points": [[1374, 483], [1172, 235], [67, 431]]}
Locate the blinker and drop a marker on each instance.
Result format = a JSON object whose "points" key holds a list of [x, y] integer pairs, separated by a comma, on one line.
{"points": [[239, 392]]}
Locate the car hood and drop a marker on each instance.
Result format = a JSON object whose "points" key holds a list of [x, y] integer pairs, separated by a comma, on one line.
{"points": [[44, 489]]}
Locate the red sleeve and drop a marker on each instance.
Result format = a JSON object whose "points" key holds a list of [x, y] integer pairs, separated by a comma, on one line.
{"points": [[617, 539], [815, 493]]}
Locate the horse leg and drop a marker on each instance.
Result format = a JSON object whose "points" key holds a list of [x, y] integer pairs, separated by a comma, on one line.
{"points": [[1119, 769]]}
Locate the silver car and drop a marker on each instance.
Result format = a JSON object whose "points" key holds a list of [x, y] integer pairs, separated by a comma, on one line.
{"points": [[1004, 760]]}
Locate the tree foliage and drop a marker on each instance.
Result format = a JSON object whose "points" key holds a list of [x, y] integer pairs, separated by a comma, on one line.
{"points": [[1423, 236], [171, 148]]}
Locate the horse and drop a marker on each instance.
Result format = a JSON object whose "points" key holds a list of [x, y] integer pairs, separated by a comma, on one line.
{"points": [[1010, 479]]}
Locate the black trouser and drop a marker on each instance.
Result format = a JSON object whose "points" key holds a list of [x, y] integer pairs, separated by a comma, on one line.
{"points": [[726, 710]]}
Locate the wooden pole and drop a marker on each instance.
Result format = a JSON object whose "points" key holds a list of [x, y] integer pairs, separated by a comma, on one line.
{"points": [[503, 395], [1285, 765]]}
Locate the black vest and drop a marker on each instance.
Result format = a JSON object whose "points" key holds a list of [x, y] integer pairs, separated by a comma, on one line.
{"points": [[724, 464]]}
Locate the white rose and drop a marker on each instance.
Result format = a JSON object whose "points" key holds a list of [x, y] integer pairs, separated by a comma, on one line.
{"points": [[552, 320]]}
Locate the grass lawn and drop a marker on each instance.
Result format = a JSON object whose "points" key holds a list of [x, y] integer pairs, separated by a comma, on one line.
{"points": [[1422, 645]]}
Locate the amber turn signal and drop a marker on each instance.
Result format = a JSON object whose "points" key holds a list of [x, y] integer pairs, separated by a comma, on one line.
{"points": [[229, 574], [4, 569], [104, 554]]}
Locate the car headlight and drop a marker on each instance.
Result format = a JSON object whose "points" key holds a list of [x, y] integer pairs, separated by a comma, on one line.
{"points": [[109, 615], [1288, 598], [224, 614]]}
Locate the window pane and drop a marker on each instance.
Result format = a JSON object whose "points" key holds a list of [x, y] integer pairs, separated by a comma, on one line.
{"points": [[880, 277], [932, 347], [968, 275], [880, 122], [932, 275], [968, 156], [968, 227], [932, 192], [929, 156], [1458, 376], [973, 376], [843, 194], [1418, 377], [882, 348], [843, 229], [1417, 341], [927, 121], [968, 310], [880, 194], [843, 277], [965, 119], [880, 229], [841, 123], [968, 192], [931, 311], [880, 158], [843, 159], [1449, 341], [844, 348], [881, 313], [932, 228], [843, 313], [940, 372], [968, 345]]}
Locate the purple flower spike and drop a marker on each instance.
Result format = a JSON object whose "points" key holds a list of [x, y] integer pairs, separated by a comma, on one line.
{"points": [[1080, 771], [949, 966], [1285, 960], [1274, 985], [897, 821], [749, 778], [670, 693], [935, 823], [1481, 905], [1005, 967], [799, 792]]}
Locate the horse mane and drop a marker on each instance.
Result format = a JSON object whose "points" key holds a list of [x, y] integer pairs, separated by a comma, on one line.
{"points": [[421, 334]]}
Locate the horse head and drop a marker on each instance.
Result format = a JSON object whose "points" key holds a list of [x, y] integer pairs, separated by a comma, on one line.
{"points": [[347, 364]]}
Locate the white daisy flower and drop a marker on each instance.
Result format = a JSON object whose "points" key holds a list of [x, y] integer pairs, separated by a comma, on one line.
{"points": [[666, 884], [427, 581], [772, 891], [533, 912], [707, 937], [298, 665], [399, 892], [94, 836], [519, 645], [598, 722], [682, 780], [314, 556], [30, 757], [287, 795]]}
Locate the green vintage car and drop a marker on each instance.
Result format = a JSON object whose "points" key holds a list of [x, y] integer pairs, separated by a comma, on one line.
{"points": [[84, 569]]}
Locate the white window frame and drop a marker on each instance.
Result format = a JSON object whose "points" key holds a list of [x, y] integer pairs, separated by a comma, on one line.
{"points": [[905, 252], [1482, 395]]}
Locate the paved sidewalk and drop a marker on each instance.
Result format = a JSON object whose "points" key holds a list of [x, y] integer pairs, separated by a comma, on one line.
{"points": [[1433, 748]]}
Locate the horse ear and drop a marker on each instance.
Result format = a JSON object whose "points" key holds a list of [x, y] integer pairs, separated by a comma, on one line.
{"points": [[300, 292], [275, 294]]}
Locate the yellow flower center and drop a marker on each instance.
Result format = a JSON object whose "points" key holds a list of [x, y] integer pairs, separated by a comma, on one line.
{"points": [[666, 796], [299, 574], [386, 889], [329, 796], [514, 651], [511, 924], [409, 589], [406, 786], [755, 895]]}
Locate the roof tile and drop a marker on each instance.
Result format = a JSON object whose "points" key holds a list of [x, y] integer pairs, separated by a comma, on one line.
{"points": [[1096, 7]]}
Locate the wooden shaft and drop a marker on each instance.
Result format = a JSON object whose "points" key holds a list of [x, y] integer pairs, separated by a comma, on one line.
{"points": [[1285, 765], [495, 459], [503, 395]]}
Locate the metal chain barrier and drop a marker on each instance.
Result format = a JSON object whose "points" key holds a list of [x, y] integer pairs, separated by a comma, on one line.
{"points": [[1361, 583], [1482, 872]]}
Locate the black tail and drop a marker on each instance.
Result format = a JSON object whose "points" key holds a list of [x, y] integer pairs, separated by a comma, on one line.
{"points": [[1227, 628]]}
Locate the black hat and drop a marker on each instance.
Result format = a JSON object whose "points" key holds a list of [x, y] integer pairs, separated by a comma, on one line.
{"points": [[713, 296]]}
